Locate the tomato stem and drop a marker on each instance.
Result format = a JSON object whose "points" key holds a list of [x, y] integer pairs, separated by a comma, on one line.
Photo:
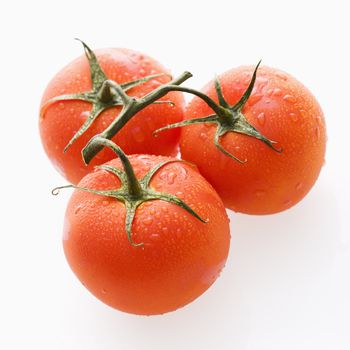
{"points": [[132, 192], [133, 185], [130, 108], [104, 94], [227, 118]]}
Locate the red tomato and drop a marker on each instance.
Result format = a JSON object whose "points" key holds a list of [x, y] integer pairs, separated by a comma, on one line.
{"points": [[61, 120], [181, 256], [283, 110]]}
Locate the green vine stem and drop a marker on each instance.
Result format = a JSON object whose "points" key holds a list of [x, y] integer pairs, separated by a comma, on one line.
{"points": [[132, 192], [226, 118], [131, 106], [102, 96]]}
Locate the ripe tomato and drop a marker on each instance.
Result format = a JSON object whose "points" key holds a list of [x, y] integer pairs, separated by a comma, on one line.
{"points": [[61, 120], [180, 257], [283, 110]]}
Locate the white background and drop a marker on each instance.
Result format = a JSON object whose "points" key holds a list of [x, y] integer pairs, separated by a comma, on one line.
{"points": [[286, 283]]}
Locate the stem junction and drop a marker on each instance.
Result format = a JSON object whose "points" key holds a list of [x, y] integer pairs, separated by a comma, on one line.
{"points": [[132, 192], [226, 118]]}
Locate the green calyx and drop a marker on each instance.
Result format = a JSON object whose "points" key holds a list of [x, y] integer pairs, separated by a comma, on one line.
{"points": [[132, 192], [102, 96], [226, 118]]}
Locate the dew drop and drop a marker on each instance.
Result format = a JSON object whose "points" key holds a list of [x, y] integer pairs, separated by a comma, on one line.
{"points": [[150, 123], [260, 193], [269, 92], [287, 202], [142, 72], [289, 98], [294, 117], [138, 134], [261, 83], [317, 133], [164, 209], [148, 220], [171, 177], [182, 172], [178, 233], [105, 203], [144, 157], [179, 194], [77, 209], [61, 105], [84, 115], [318, 120], [299, 185], [103, 291], [203, 135], [277, 92], [281, 76], [261, 118], [303, 113], [154, 236]]}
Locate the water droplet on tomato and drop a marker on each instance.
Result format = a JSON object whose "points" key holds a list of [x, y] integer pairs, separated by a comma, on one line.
{"points": [[182, 172], [171, 177], [178, 233], [303, 113], [179, 194], [281, 76], [299, 185], [154, 236], [138, 134], [317, 133], [277, 92], [203, 135], [289, 98], [318, 119], [294, 117], [261, 118], [142, 72], [77, 209], [105, 202], [269, 92], [84, 115], [103, 291], [287, 202], [260, 193], [164, 209], [144, 157], [61, 105], [148, 220]]}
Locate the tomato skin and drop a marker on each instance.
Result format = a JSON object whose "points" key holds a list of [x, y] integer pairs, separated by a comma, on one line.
{"points": [[283, 110], [63, 119], [181, 256]]}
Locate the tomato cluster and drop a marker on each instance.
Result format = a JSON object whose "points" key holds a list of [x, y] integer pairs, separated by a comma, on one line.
{"points": [[148, 233]]}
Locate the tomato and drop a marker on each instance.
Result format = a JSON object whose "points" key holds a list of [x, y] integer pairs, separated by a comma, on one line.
{"points": [[283, 110], [61, 120], [180, 256]]}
